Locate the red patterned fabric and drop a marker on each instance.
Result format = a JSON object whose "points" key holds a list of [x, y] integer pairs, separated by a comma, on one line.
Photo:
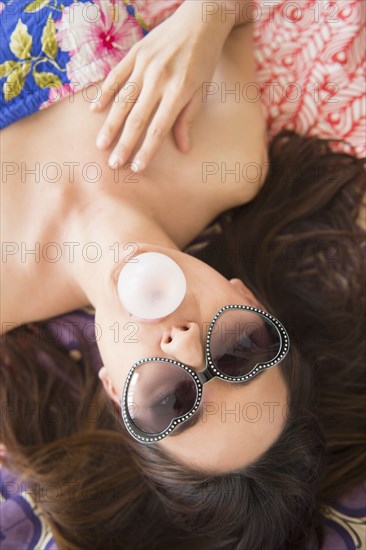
{"points": [[311, 59]]}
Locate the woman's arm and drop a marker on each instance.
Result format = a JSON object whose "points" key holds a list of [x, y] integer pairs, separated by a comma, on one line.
{"points": [[167, 69], [235, 129], [228, 160], [228, 12]]}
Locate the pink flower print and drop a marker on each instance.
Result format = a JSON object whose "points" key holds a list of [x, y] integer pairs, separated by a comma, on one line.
{"points": [[97, 36]]}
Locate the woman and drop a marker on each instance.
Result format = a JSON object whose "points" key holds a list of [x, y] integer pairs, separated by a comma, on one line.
{"points": [[199, 483]]}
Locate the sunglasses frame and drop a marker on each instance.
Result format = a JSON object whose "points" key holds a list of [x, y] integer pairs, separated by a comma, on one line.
{"points": [[200, 378]]}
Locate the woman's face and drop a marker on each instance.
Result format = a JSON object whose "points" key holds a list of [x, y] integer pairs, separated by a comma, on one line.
{"points": [[239, 421]]}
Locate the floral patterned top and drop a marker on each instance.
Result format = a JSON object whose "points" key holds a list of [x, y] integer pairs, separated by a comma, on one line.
{"points": [[53, 48]]}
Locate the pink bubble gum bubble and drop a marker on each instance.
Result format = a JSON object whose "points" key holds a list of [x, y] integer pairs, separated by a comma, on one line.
{"points": [[152, 287]]}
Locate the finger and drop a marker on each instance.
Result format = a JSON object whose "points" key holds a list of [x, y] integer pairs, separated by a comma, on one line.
{"points": [[182, 126], [113, 82], [135, 125], [159, 127], [127, 97]]}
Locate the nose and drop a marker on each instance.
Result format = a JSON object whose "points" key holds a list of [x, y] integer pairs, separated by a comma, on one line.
{"points": [[183, 343]]}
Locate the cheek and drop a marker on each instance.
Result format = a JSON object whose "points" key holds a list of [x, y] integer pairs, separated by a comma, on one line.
{"points": [[118, 355], [107, 338]]}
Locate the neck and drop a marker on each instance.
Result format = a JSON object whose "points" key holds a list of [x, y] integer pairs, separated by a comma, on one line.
{"points": [[107, 234]]}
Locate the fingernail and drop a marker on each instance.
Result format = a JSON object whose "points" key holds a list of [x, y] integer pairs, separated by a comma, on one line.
{"points": [[94, 106], [102, 141], [113, 161], [136, 165]]}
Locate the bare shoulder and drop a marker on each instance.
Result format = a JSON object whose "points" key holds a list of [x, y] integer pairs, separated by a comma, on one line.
{"points": [[230, 134]]}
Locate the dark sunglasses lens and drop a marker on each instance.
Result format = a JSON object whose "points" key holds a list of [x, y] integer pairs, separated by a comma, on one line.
{"points": [[241, 339], [158, 392]]}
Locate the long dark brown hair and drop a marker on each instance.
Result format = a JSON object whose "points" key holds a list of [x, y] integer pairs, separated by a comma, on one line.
{"points": [[298, 247]]}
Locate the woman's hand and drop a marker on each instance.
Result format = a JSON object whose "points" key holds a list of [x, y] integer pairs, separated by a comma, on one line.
{"points": [[158, 85]]}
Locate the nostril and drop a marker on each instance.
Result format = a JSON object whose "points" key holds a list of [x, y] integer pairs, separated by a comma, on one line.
{"points": [[167, 338]]}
